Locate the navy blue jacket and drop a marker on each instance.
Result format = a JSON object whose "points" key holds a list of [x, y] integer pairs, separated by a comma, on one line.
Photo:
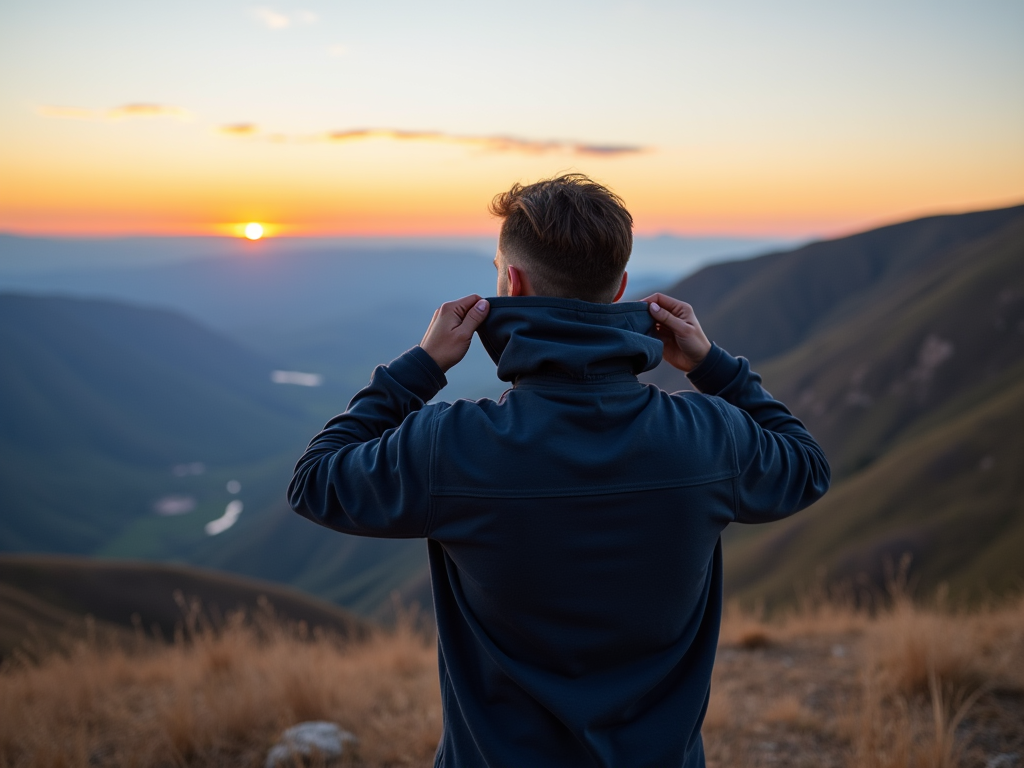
{"points": [[572, 527]]}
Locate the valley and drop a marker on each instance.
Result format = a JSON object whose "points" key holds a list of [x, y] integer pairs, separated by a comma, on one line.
{"points": [[131, 423]]}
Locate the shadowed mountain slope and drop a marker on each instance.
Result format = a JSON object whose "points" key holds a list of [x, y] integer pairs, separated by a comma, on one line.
{"points": [[45, 598], [99, 401], [763, 307], [902, 350], [120, 427], [915, 348], [952, 497]]}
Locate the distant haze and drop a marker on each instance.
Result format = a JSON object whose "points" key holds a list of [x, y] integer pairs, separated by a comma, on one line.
{"points": [[22, 259], [328, 308]]}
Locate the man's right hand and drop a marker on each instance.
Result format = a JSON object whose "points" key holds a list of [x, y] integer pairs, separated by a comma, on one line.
{"points": [[451, 329], [686, 346]]}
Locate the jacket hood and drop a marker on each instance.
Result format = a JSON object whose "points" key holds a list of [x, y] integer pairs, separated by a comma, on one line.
{"points": [[530, 335]]}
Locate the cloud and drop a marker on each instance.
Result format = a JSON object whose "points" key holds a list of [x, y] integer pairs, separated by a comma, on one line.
{"points": [[125, 111], [489, 143], [486, 143], [337, 51], [145, 110], [272, 19], [239, 129]]}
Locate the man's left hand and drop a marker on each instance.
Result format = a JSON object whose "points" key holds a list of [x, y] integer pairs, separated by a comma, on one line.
{"points": [[451, 330]]}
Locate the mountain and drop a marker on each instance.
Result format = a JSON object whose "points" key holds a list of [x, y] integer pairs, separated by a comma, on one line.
{"points": [[901, 349], [121, 428], [44, 599], [100, 402], [122, 425], [336, 307], [951, 496]]}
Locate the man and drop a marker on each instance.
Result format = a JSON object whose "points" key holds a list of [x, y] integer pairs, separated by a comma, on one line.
{"points": [[573, 525]]}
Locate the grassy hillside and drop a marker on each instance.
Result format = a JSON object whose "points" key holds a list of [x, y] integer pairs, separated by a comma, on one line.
{"points": [[926, 341], [43, 598], [951, 496], [99, 402], [108, 410], [909, 377], [764, 307]]}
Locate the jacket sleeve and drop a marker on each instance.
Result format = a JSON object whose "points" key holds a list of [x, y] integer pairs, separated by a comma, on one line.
{"points": [[782, 469], [367, 472]]}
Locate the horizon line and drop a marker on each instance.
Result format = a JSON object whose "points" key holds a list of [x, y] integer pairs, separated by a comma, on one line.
{"points": [[850, 225], [653, 234]]}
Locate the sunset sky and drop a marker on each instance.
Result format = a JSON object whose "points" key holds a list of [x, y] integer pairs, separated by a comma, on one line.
{"points": [[391, 118]]}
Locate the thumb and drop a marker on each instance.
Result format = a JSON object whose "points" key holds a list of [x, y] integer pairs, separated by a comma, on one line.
{"points": [[475, 316], [663, 316]]}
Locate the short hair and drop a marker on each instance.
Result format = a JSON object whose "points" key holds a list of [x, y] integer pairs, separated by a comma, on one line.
{"points": [[572, 234]]}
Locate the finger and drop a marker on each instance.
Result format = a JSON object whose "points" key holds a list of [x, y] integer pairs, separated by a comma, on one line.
{"points": [[457, 314], [668, 320], [460, 307], [661, 299], [671, 303], [475, 315]]}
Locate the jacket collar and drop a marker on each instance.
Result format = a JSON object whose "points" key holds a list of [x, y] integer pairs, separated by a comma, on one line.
{"points": [[530, 336]]}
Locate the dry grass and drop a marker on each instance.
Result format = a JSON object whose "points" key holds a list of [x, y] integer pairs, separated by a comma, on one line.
{"points": [[221, 698], [908, 687]]}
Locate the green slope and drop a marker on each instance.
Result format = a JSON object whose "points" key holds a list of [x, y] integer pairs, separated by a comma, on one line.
{"points": [[764, 307], [924, 341], [890, 344], [901, 350], [952, 497], [101, 401]]}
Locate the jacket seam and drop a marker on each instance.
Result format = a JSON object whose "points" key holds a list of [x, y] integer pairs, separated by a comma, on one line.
{"points": [[735, 457], [431, 453], [589, 490]]}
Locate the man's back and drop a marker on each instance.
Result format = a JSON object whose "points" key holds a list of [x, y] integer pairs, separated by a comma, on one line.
{"points": [[573, 528]]}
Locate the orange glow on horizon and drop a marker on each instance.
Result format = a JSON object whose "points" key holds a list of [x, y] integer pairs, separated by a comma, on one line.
{"points": [[457, 224]]}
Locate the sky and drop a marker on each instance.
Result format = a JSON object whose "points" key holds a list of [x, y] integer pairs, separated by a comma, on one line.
{"points": [[395, 118]]}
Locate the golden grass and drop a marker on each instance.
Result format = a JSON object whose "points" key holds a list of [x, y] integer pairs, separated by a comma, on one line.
{"points": [[907, 687], [221, 698]]}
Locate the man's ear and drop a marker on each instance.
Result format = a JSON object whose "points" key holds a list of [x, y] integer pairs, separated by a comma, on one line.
{"points": [[622, 287], [515, 282]]}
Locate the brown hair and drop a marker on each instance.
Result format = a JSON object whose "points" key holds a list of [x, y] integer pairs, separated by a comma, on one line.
{"points": [[572, 234]]}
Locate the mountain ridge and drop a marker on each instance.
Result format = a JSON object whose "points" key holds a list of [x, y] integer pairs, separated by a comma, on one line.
{"points": [[929, 335]]}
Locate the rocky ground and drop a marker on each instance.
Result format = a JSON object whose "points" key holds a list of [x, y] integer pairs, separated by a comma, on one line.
{"points": [[909, 688]]}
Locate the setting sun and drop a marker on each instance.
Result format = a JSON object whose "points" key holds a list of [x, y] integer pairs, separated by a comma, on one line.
{"points": [[254, 231]]}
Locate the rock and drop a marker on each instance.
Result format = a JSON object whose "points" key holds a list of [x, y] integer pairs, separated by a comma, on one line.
{"points": [[305, 740], [1005, 760]]}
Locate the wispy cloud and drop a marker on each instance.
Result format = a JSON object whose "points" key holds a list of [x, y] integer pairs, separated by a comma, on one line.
{"points": [[272, 19], [491, 143], [125, 111], [239, 129], [486, 143]]}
